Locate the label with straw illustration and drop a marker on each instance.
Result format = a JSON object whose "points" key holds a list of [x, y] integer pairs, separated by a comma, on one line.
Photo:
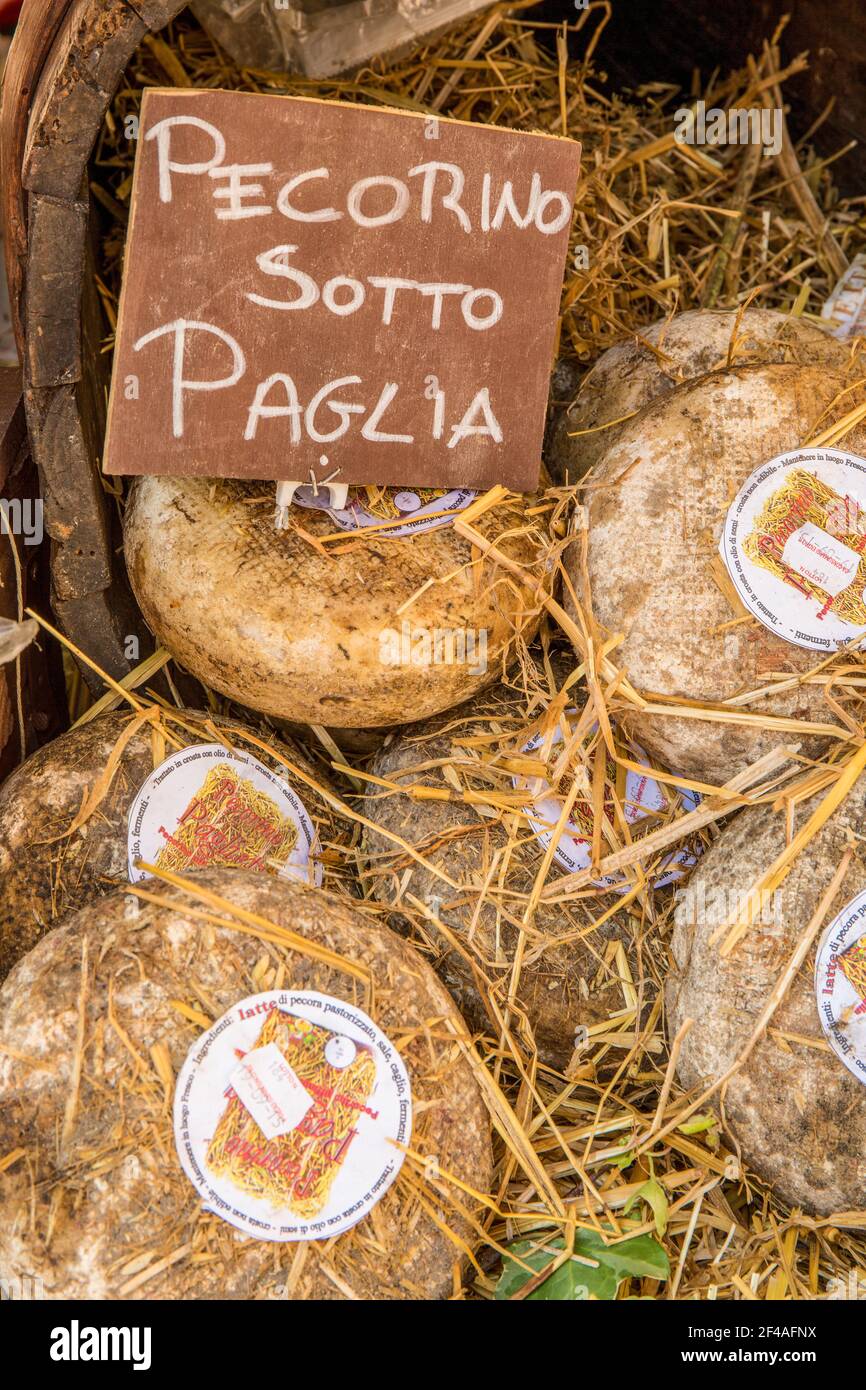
{"points": [[394, 511], [840, 984], [794, 541], [214, 807], [646, 804], [289, 1115]]}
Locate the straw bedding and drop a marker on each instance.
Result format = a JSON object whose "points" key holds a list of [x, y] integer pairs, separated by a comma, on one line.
{"points": [[659, 228], [555, 973]]}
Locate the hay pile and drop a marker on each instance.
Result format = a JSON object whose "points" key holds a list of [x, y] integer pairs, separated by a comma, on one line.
{"points": [[664, 225], [614, 1143]]}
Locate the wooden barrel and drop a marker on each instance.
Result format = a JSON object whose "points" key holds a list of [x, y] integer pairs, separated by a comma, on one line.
{"points": [[32, 697], [64, 67]]}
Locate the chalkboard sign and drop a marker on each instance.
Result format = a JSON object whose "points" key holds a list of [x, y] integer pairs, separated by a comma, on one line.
{"points": [[313, 289]]}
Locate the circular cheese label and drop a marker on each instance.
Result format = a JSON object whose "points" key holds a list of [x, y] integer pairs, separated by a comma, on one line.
{"points": [[289, 1113], [840, 985], [394, 511], [209, 806], [794, 541], [641, 797], [845, 306]]}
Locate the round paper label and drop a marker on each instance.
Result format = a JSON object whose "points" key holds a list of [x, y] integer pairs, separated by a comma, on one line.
{"points": [[794, 541], [643, 797], [395, 511], [288, 1114], [840, 985], [209, 807]]}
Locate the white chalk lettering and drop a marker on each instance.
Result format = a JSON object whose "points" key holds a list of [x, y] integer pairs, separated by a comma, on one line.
{"points": [[341, 409], [372, 432], [259, 411], [465, 428], [237, 190], [329, 295], [554, 197], [382, 219], [438, 292], [473, 320], [390, 284], [451, 199], [277, 398], [181, 384], [274, 262], [508, 205], [287, 208], [161, 133]]}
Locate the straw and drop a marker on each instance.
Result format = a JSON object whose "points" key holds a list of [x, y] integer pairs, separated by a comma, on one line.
{"points": [[666, 228]]}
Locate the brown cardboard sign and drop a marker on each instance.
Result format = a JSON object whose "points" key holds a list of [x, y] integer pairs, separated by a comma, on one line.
{"points": [[314, 289]]}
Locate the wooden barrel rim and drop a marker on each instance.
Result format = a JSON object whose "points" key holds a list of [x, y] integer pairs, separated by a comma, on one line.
{"points": [[79, 58]]}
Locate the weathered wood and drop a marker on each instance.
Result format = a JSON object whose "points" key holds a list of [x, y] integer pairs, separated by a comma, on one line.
{"points": [[157, 13], [100, 624], [11, 440], [13, 430], [66, 63], [42, 697], [75, 511], [42, 23], [34, 36], [75, 88], [93, 387], [54, 283]]}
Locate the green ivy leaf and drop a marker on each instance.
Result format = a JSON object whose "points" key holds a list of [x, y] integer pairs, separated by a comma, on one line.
{"points": [[623, 1160], [653, 1194], [641, 1257], [571, 1282], [699, 1124]]}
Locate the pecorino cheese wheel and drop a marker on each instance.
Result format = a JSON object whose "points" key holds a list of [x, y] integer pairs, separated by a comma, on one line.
{"points": [[655, 519], [271, 620], [796, 1111], [46, 873], [101, 1208], [567, 976], [639, 370]]}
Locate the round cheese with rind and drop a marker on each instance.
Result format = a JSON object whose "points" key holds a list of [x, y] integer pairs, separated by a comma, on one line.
{"points": [[46, 872], [650, 364], [655, 518], [561, 974], [95, 1025], [348, 635], [795, 1112]]}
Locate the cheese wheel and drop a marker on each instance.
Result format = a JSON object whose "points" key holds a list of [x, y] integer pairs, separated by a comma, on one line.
{"points": [[101, 1208], [794, 1109], [272, 621], [654, 524], [650, 364], [567, 976], [46, 873]]}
